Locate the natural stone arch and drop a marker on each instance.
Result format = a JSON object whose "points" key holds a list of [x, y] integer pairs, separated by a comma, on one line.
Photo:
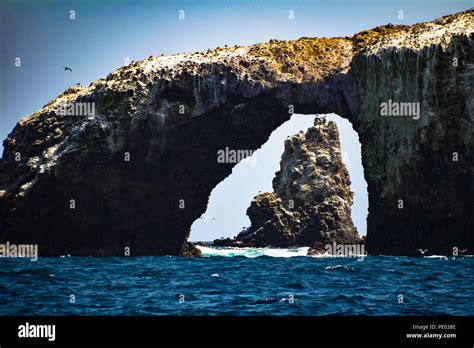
{"points": [[235, 97]]}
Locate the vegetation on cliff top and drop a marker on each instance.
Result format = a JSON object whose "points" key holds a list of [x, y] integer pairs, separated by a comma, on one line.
{"points": [[309, 56], [368, 37]]}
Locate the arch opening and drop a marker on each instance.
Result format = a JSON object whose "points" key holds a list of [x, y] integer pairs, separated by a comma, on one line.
{"points": [[225, 215]]}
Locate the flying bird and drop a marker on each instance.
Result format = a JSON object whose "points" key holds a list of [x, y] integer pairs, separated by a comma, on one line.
{"points": [[67, 68], [207, 217], [422, 252]]}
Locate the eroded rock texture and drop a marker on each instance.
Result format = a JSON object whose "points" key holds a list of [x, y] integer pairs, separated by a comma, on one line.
{"points": [[171, 115], [311, 202], [424, 165]]}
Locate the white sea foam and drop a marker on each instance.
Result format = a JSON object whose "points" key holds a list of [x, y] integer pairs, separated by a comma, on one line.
{"points": [[339, 266], [252, 252], [441, 257], [328, 255]]}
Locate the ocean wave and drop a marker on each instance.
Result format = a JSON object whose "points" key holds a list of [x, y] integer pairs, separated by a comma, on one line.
{"points": [[252, 252], [441, 257], [267, 286], [345, 268]]}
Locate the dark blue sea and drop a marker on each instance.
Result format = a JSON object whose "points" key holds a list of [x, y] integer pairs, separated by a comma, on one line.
{"points": [[239, 282]]}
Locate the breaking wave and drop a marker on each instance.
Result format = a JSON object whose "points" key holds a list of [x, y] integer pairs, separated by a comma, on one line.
{"points": [[252, 252], [258, 252]]}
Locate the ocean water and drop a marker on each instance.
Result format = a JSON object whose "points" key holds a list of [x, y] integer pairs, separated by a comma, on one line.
{"points": [[238, 282]]}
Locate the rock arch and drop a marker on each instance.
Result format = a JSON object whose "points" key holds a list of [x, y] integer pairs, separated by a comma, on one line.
{"points": [[235, 97]]}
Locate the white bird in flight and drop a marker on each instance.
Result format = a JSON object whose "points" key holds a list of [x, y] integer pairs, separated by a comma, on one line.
{"points": [[422, 252], [207, 217]]}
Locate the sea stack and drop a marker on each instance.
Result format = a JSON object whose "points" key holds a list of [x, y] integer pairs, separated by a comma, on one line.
{"points": [[311, 201]]}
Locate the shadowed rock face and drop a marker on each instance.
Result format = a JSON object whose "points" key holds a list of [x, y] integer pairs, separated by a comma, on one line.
{"points": [[311, 202], [170, 115]]}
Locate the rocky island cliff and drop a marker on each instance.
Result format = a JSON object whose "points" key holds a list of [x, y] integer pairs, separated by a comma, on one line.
{"points": [[139, 171], [311, 202]]}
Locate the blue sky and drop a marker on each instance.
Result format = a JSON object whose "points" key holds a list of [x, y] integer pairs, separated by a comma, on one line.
{"points": [[105, 33]]}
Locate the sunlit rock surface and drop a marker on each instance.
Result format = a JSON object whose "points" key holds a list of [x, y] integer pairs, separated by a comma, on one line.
{"points": [[311, 202], [140, 172]]}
